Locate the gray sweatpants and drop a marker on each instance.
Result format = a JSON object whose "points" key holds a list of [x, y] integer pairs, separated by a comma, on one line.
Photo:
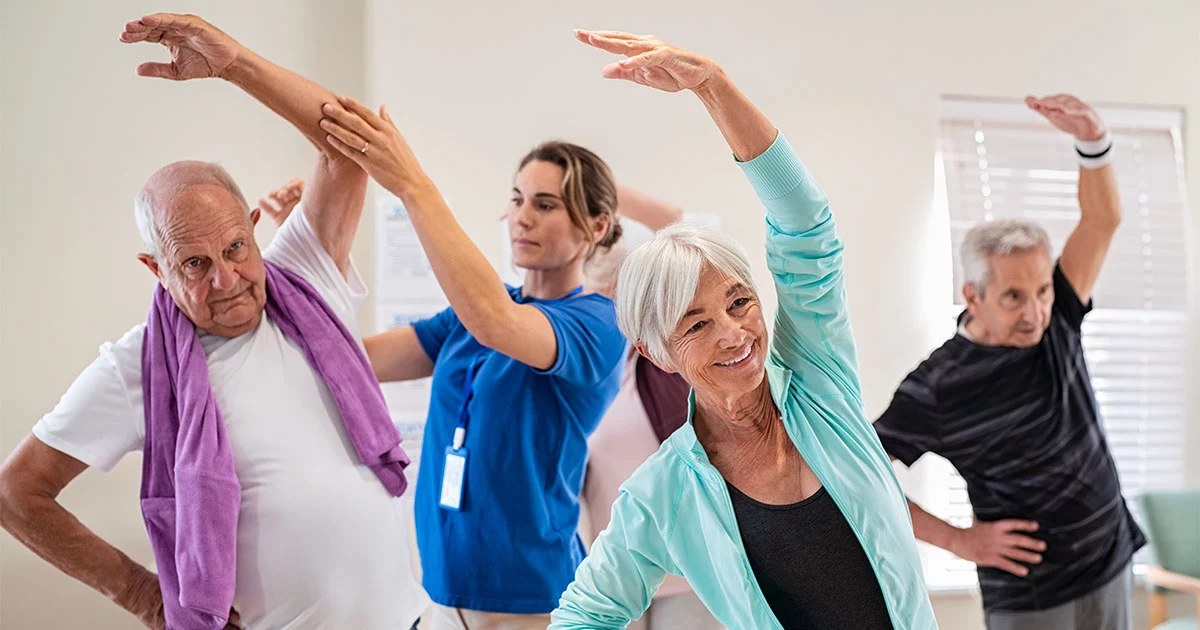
{"points": [[1109, 607]]}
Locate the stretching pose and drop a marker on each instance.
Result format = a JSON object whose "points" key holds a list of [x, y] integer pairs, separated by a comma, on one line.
{"points": [[270, 463], [521, 375], [775, 500], [1008, 401]]}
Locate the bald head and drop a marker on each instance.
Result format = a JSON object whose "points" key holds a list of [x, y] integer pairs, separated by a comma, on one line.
{"points": [[199, 238], [204, 187]]}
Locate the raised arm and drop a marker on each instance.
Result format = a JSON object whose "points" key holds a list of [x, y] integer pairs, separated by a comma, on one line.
{"points": [[804, 253], [30, 481], [473, 288], [200, 50], [651, 212], [1099, 199]]}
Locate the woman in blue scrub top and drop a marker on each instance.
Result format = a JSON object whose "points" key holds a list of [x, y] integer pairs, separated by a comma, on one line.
{"points": [[521, 376]]}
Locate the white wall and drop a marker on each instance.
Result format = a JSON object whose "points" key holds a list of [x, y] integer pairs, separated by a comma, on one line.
{"points": [[80, 132], [854, 86]]}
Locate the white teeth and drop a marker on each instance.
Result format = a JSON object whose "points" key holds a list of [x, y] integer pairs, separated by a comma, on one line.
{"points": [[741, 358]]}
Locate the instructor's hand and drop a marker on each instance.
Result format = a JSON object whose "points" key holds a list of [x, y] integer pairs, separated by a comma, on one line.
{"points": [[998, 544], [374, 143], [199, 50]]}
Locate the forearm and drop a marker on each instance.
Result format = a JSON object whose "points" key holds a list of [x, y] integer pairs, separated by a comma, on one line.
{"points": [[471, 285], [745, 128], [1099, 197], [55, 535], [652, 212], [931, 529], [295, 98]]}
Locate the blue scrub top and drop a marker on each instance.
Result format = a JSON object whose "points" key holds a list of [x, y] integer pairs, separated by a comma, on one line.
{"points": [[513, 547]]}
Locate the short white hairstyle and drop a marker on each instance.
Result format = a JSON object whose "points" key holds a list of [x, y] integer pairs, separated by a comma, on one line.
{"points": [[997, 238], [165, 184], [658, 280]]}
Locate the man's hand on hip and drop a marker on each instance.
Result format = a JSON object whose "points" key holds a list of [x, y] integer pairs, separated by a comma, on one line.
{"points": [[999, 544]]}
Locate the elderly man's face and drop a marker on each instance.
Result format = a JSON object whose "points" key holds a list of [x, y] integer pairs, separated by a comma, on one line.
{"points": [[1014, 310], [720, 345], [209, 261]]}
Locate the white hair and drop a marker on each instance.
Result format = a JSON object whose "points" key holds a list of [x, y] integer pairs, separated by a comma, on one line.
{"points": [[658, 280], [998, 238], [166, 184]]}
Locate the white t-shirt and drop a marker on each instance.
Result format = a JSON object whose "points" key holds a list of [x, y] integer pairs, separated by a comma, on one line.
{"points": [[321, 543]]}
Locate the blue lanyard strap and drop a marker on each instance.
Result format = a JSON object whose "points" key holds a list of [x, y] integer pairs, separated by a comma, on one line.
{"points": [[469, 386], [464, 415]]}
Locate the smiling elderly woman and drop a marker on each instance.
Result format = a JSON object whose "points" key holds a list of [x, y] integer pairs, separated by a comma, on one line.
{"points": [[775, 501]]}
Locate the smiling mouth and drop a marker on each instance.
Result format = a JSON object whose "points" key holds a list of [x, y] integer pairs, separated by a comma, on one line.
{"points": [[741, 359]]}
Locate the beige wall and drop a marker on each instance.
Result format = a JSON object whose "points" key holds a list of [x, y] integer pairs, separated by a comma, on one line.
{"points": [[854, 85]]}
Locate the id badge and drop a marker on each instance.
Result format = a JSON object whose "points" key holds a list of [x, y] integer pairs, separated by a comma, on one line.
{"points": [[453, 478]]}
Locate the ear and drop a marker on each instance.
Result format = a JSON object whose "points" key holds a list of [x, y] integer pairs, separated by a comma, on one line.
{"points": [[972, 298], [600, 227], [152, 265], [255, 215], [642, 350]]}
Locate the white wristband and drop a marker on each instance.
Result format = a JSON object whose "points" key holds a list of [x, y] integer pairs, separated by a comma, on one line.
{"points": [[1094, 153]]}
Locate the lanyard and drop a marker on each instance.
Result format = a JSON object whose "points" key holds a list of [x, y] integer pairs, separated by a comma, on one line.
{"points": [[464, 416]]}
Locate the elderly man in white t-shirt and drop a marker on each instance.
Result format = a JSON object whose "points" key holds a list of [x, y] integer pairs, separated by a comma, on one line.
{"points": [[320, 542]]}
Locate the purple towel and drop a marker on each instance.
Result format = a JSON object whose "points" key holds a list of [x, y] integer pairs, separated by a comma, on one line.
{"points": [[190, 492]]}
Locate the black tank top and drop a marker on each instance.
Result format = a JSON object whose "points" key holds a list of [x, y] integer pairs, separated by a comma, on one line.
{"points": [[809, 564]]}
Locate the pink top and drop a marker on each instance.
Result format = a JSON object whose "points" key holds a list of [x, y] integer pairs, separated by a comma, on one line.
{"points": [[620, 444]]}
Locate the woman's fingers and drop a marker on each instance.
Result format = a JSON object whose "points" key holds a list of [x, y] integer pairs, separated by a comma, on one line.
{"points": [[347, 137], [347, 119], [363, 112], [354, 153], [618, 45]]}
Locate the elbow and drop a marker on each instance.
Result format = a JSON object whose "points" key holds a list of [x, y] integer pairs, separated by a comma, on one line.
{"points": [[10, 496]]}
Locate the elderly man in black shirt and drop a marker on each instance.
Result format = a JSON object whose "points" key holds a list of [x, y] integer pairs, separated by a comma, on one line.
{"points": [[1009, 402]]}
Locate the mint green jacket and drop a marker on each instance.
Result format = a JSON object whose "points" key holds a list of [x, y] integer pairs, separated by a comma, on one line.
{"points": [[674, 514]]}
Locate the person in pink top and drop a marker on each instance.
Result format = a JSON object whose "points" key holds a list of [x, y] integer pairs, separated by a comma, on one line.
{"points": [[650, 405]]}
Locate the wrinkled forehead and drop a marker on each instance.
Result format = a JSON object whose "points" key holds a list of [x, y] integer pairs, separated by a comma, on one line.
{"points": [[198, 211], [1030, 267]]}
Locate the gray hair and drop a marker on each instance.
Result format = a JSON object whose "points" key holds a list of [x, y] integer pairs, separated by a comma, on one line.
{"points": [[998, 238], [658, 280], [168, 182]]}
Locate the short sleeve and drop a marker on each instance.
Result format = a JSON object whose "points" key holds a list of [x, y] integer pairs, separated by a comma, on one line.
{"points": [[910, 427], [297, 248], [589, 342], [1066, 301], [432, 332], [100, 418]]}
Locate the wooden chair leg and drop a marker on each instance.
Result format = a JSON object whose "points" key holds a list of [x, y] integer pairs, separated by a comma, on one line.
{"points": [[1158, 608]]}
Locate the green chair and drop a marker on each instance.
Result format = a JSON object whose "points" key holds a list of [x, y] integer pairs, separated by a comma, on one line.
{"points": [[1172, 521]]}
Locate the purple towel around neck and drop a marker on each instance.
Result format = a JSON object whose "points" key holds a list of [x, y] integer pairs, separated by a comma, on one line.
{"points": [[190, 492]]}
